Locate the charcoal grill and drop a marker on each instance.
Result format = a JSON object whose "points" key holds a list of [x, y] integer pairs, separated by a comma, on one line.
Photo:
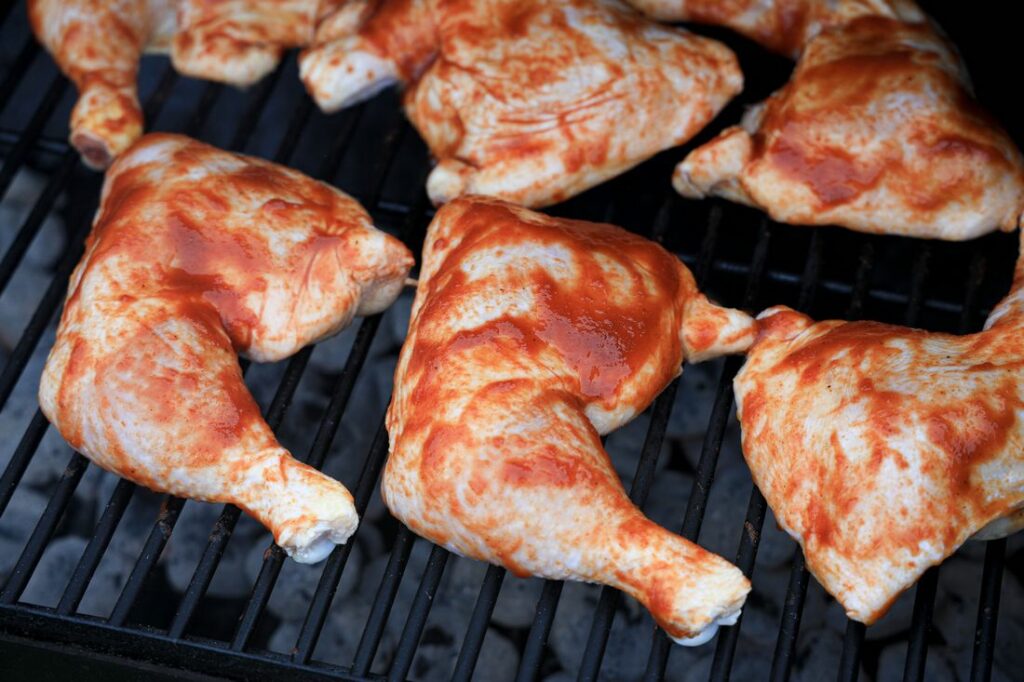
{"points": [[371, 152]]}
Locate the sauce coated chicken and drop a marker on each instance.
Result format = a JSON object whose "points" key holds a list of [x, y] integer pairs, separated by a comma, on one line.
{"points": [[880, 448], [877, 131], [532, 101], [530, 337], [98, 44], [198, 255]]}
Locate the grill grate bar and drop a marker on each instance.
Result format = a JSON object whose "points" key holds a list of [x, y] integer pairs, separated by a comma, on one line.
{"points": [[988, 610], [49, 303], [93, 553], [31, 133], [853, 641], [490, 588], [533, 654], [604, 613], [21, 457], [725, 649], [792, 612], [924, 602], [313, 624], [17, 69], [712, 445], [224, 526], [44, 204], [383, 601], [275, 556], [418, 613], [151, 550], [44, 529], [328, 584]]}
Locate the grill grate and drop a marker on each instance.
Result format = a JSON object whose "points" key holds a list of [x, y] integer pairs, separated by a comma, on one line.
{"points": [[737, 254]]}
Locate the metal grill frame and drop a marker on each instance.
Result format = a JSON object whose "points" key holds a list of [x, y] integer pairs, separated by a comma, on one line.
{"points": [[115, 639]]}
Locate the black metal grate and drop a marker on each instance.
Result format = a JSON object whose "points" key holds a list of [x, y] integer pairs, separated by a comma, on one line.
{"points": [[372, 153]]}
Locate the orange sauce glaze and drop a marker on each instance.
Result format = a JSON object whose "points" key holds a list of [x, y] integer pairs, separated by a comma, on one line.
{"points": [[201, 259], [602, 343], [966, 432], [782, 28], [872, 62]]}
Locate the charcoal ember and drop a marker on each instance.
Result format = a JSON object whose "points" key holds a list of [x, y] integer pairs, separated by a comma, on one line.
{"points": [[724, 518], [956, 603], [18, 202], [340, 635], [330, 355], [19, 301], [571, 626], [818, 655], [370, 540], [436, 656], [51, 576], [762, 612], [188, 542], [666, 503], [624, 447], [776, 547], [893, 659], [16, 524], [395, 323], [48, 461], [692, 408], [1009, 655], [623, 658], [690, 664], [517, 602], [293, 592]]}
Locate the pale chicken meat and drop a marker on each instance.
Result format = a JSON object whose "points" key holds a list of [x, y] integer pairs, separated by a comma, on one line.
{"points": [[532, 101], [98, 44], [877, 131], [196, 256], [783, 26], [881, 449], [530, 338]]}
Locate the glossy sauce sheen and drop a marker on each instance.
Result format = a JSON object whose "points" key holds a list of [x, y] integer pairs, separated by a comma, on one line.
{"points": [[602, 343]]}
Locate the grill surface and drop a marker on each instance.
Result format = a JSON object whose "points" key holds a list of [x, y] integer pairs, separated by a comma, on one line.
{"points": [[370, 151]]}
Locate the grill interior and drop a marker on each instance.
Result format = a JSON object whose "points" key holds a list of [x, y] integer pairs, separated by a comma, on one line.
{"points": [[416, 611]]}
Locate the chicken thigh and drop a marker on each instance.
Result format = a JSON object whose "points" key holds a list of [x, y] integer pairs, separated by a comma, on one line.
{"points": [[98, 44], [531, 101], [881, 449], [197, 255], [783, 26], [877, 131], [530, 338]]}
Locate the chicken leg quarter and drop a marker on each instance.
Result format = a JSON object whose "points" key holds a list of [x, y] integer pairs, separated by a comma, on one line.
{"points": [[530, 337], [882, 449], [531, 101], [197, 255], [877, 131]]}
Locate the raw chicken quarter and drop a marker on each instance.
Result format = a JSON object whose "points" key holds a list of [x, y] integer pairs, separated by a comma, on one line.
{"points": [[197, 255], [531, 101], [877, 131], [530, 337], [882, 449]]}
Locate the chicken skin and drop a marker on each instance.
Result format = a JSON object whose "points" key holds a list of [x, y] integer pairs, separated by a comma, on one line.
{"points": [[533, 101], [877, 131], [197, 255], [98, 44], [880, 448], [783, 26], [530, 338]]}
